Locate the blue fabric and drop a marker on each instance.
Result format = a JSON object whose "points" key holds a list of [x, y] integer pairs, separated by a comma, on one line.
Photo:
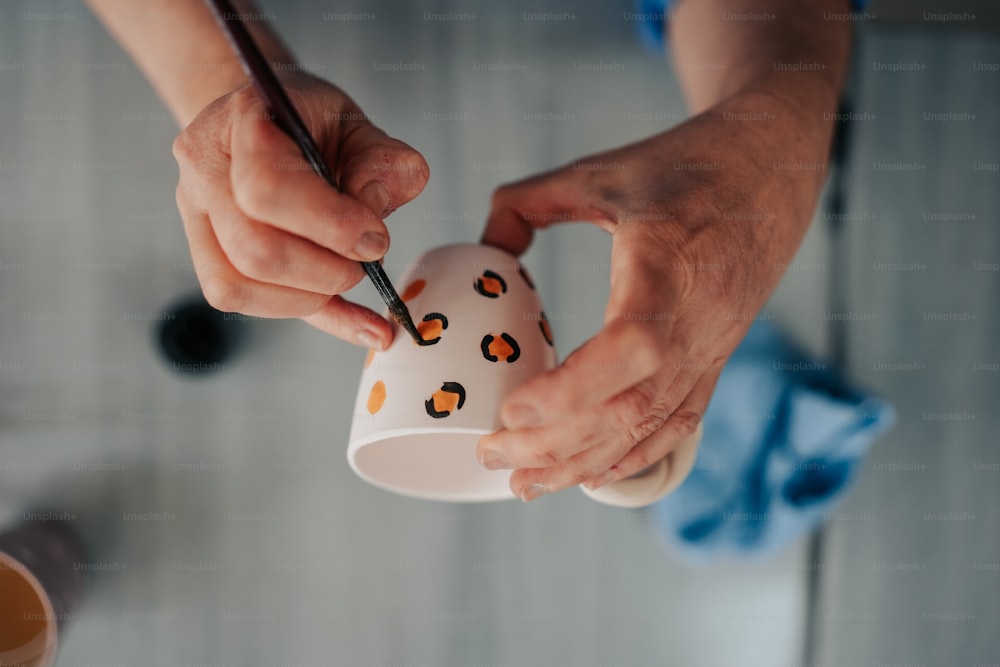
{"points": [[784, 437], [650, 15]]}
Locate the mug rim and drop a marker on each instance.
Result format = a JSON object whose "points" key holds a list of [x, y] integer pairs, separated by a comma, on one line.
{"points": [[372, 438]]}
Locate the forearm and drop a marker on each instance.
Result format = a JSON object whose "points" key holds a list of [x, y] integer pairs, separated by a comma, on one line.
{"points": [[786, 47], [182, 51], [768, 83]]}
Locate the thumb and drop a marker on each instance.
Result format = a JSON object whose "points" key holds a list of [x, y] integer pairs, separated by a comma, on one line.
{"points": [[566, 194], [381, 172]]}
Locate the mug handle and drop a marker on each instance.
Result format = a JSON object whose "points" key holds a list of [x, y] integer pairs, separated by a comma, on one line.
{"points": [[654, 482]]}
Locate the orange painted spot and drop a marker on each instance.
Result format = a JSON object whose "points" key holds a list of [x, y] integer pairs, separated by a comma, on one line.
{"points": [[500, 348], [376, 398], [450, 397], [445, 401], [430, 329], [491, 285], [369, 358], [414, 289]]}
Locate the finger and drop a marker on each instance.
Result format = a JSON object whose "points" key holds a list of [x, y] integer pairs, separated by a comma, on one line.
{"points": [[223, 286], [270, 255], [681, 424], [381, 172], [562, 195], [353, 323], [620, 356], [539, 447], [629, 417], [272, 183], [617, 426], [530, 483]]}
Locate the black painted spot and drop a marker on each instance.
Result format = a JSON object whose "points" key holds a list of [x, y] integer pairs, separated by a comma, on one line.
{"points": [[490, 285], [431, 327], [451, 396], [543, 324], [500, 348], [527, 278]]}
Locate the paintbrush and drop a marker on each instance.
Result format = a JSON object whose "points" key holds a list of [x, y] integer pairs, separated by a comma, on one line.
{"points": [[285, 116]]}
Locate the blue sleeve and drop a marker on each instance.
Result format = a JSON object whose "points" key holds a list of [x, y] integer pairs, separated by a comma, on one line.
{"points": [[650, 15]]}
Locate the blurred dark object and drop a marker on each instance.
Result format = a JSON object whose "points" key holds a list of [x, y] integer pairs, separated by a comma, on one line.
{"points": [[196, 338], [54, 553]]}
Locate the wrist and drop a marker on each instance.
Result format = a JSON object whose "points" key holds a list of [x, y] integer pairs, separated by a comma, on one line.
{"points": [[220, 73], [183, 52], [807, 97], [774, 145]]}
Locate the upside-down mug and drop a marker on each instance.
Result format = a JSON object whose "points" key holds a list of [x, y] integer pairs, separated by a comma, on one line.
{"points": [[421, 409]]}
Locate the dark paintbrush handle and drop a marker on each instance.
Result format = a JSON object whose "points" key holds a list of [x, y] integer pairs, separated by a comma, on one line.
{"points": [[268, 87]]}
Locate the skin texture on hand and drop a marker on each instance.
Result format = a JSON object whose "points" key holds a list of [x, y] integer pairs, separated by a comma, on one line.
{"points": [[269, 237], [704, 218]]}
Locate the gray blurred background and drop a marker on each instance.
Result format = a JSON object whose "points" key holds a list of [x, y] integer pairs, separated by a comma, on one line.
{"points": [[231, 527]]}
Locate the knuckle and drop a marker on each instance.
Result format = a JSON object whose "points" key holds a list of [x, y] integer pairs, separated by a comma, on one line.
{"points": [[646, 427], [545, 457], [256, 257], [243, 102], [223, 294], [183, 148], [346, 278], [251, 190], [311, 305], [633, 406], [685, 422]]}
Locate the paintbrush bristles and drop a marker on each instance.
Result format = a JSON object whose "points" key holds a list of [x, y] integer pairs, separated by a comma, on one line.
{"points": [[401, 314]]}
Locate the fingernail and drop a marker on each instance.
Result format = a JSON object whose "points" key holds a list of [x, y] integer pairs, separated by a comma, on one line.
{"points": [[600, 480], [522, 415], [532, 492], [370, 340], [493, 459], [376, 197], [372, 246]]}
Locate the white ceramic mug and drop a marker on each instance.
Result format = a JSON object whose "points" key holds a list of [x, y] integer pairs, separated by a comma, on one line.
{"points": [[655, 482], [421, 409]]}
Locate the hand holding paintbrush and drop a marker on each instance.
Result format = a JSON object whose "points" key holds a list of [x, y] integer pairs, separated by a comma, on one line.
{"points": [[286, 117], [267, 237]]}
